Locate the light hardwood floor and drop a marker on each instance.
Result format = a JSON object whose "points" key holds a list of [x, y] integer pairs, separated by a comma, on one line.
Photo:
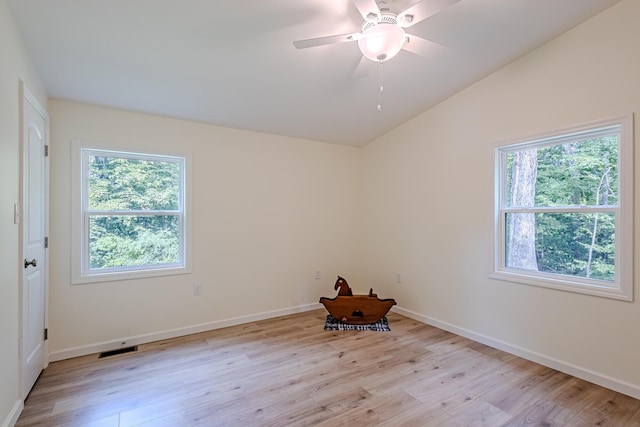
{"points": [[290, 372]]}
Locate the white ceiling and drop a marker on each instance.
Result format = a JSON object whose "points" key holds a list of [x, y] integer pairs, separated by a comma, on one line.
{"points": [[232, 63]]}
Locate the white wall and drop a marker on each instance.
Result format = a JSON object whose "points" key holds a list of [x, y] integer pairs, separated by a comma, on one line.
{"points": [[428, 195], [267, 211], [15, 65]]}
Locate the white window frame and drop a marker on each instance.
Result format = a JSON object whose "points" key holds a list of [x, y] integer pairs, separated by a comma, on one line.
{"points": [[622, 286], [80, 271]]}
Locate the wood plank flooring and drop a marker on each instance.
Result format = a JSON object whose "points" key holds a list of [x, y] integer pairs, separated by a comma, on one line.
{"points": [[289, 371]]}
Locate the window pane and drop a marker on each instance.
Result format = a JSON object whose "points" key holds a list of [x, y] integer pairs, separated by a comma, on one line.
{"points": [[579, 173], [132, 241], [118, 183], [572, 244]]}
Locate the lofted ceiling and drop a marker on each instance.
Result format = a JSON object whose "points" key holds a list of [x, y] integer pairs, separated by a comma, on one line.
{"points": [[233, 63]]}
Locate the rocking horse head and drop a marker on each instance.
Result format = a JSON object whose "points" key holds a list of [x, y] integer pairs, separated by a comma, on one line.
{"points": [[345, 290]]}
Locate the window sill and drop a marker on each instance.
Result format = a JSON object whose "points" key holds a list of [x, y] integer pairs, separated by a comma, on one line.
{"points": [[128, 275], [591, 287]]}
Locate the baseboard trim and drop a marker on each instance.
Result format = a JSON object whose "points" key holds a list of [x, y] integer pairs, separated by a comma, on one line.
{"points": [[12, 417], [559, 365], [173, 333]]}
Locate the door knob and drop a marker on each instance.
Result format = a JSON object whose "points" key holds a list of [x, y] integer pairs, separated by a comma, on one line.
{"points": [[28, 263]]}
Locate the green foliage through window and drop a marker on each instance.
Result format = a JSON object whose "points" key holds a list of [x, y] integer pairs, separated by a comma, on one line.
{"points": [[133, 210], [559, 206]]}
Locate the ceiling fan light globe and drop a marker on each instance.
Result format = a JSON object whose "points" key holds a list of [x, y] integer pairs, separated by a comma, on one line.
{"points": [[381, 42]]}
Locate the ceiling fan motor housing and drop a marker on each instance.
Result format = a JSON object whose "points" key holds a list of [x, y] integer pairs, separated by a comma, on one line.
{"points": [[383, 39]]}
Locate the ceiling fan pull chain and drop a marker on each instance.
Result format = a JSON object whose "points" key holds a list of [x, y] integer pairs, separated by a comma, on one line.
{"points": [[380, 76]]}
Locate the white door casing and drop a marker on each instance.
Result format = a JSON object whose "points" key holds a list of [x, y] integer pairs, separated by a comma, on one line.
{"points": [[34, 222]]}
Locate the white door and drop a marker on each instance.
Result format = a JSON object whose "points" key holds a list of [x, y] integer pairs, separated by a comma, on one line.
{"points": [[34, 229]]}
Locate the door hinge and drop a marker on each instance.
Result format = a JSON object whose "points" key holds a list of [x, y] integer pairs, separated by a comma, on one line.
{"points": [[46, 151], [46, 242], [46, 334]]}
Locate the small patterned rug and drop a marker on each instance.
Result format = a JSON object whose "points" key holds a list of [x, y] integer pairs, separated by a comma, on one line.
{"points": [[332, 324]]}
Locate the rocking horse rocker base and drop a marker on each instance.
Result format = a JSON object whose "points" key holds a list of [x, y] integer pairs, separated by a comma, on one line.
{"points": [[356, 309]]}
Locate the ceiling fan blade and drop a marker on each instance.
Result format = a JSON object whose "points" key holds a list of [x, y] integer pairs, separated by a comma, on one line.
{"points": [[422, 10], [368, 9], [423, 47], [321, 41]]}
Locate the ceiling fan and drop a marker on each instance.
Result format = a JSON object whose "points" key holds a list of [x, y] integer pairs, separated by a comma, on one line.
{"points": [[383, 30]]}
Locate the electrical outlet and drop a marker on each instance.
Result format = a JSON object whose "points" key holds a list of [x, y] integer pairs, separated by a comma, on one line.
{"points": [[316, 275], [197, 289], [398, 277]]}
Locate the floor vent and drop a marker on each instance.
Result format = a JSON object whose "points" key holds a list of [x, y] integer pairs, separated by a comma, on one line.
{"points": [[118, 351]]}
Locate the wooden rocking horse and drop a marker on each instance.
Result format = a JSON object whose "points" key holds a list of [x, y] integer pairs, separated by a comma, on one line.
{"points": [[356, 309]]}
